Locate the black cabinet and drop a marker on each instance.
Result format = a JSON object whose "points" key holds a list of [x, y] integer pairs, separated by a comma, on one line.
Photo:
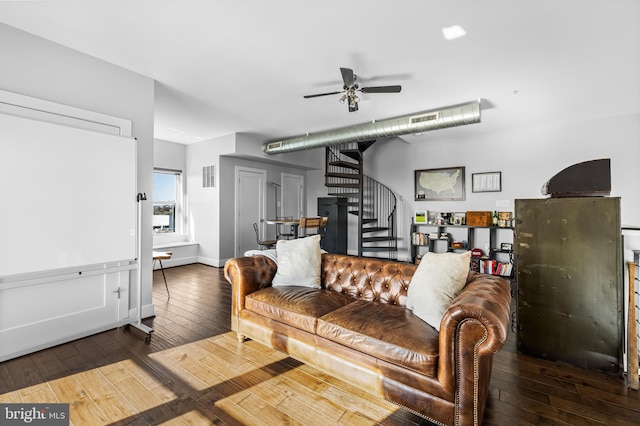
{"points": [[569, 277], [335, 239]]}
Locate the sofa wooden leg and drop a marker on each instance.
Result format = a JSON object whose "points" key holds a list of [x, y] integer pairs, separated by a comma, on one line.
{"points": [[241, 337]]}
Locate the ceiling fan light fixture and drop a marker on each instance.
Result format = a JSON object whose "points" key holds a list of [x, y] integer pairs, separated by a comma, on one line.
{"points": [[350, 88], [453, 32]]}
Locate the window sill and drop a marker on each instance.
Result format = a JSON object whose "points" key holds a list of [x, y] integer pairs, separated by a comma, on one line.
{"points": [[171, 245]]}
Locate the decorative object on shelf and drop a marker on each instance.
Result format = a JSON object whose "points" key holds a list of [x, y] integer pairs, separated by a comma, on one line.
{"points": [[486, 182], [459, 244], [445, 184], [478, 218], [420, 216], [433, 217], [504, 219], [506, 246], [446, 218], [459, 218]]}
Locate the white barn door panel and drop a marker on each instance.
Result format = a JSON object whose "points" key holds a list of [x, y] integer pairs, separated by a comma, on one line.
{"points": [[69, 215], [40, 312]]}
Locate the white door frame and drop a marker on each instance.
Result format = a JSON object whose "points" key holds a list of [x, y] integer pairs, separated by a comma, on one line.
{"points": [[262, 205], [284, 192]]}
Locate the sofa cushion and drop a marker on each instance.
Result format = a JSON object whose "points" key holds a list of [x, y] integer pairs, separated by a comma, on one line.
{"points": [[299, 262], [299, 307], [389, 332], [437, 280]]}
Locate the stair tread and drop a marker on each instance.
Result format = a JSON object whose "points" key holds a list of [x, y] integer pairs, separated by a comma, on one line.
{"points": [[376, 239], [343, 175], [373, 248], [345, 194], [363, 146], [342, 185], [351, 153], [374, 229], [346, 164]]}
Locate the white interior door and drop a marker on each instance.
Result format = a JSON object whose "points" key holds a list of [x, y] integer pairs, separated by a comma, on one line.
{"points": [[292, 195], [250, 207]]}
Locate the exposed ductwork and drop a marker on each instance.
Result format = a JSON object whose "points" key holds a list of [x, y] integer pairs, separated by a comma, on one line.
{"points": [[457, 115]]}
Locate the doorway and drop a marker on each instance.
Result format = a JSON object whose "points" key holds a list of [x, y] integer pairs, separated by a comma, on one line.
{"points": [[250, 207], [292, 195]]}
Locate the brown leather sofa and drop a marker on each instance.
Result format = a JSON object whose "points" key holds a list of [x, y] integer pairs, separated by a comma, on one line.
{"points": [[356, 327]]}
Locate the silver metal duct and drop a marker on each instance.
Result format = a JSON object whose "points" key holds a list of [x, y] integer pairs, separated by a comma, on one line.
{"points": [[457, 115]]}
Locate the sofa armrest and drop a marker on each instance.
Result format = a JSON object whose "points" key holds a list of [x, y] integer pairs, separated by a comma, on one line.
{"points": [[246, 275], [475, 324]]}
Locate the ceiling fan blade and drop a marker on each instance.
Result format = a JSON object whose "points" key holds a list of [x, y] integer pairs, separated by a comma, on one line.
{"points": [[381, 89], [323, 94], [347, 77]]}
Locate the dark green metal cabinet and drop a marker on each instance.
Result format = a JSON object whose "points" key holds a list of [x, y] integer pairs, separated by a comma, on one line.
{"points": [[569, 275]]}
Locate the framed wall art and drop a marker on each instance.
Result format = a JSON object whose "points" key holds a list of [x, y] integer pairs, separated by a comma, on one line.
{"points": [[446, 184], [420, 216], [486, 182]]}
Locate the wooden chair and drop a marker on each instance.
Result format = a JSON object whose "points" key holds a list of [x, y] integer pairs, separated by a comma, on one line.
{"points": [[264, 244], [310, 223], [324, 220]]}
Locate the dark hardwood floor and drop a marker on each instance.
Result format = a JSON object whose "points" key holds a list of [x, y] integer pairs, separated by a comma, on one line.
{"points": [[193, 371]]}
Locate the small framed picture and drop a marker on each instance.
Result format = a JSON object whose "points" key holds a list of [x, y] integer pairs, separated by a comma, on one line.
{"points": [[420, 216], [459, 218], [486, 182], [506, 246]]}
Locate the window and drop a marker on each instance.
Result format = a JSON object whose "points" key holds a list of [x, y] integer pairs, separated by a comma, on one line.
{"points": [[167, 196]]}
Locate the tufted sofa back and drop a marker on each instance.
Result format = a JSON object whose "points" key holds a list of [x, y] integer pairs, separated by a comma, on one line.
{"points": [[374, 280]]}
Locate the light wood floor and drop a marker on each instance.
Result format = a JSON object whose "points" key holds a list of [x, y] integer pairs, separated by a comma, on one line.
{"points": [[193, 371]]}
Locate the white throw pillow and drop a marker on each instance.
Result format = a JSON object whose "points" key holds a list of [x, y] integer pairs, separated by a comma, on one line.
{"points": [[437, 280], [299, 262]]}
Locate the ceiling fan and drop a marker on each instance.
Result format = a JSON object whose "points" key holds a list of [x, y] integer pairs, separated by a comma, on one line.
{"points": [[351, 87]]}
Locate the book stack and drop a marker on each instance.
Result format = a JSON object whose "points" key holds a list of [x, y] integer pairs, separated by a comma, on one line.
{"points": [[419, 239], [494, 267]]}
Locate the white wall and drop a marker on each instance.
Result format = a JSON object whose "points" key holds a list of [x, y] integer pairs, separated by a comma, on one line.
{"points": [[527, 158], [212, 210], [169, 155], [204, 203], [41, 69]]}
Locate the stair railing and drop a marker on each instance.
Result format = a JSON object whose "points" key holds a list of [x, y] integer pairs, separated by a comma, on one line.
{"points": [[380, 203]]}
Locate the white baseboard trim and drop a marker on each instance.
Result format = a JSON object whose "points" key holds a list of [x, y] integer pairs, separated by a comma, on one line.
{"points": [[169, 263], [217, 263]]}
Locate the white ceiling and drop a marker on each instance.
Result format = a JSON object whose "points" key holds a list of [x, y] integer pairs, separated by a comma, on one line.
{"points": [[225, 66]]}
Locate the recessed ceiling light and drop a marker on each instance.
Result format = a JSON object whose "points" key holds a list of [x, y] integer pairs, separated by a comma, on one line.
{"points": [[453, 32]]}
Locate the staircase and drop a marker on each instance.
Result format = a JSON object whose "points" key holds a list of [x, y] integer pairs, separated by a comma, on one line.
{"points": [[373, 203]]}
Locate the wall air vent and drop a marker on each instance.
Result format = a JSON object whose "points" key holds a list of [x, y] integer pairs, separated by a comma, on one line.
{"points": [[424, 117], [274, 145], [209, 176]]}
